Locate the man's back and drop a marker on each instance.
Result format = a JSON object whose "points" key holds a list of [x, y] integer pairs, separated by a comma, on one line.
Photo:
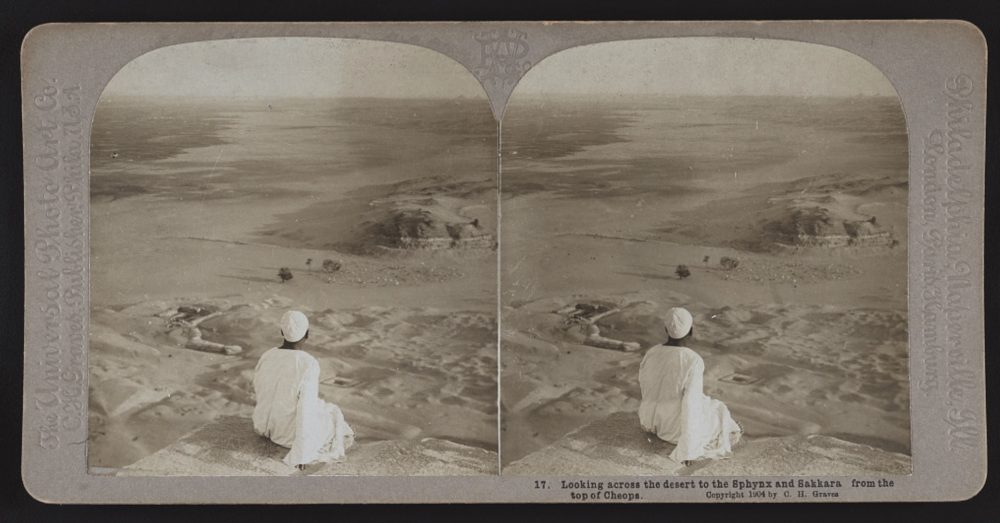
{"points": [[675, 407], [281, 377], [666, 374]]}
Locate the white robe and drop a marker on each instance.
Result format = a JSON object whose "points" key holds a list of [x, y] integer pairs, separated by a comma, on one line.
{"points": [[290, 412], [675, 408]]}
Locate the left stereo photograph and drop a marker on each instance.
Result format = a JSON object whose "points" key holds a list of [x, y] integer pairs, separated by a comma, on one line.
{"points": [[293, 253]]}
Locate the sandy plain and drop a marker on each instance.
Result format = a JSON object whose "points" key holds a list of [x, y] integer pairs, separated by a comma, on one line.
{"points": [[603, 200], [804, 337], [197, 204]]}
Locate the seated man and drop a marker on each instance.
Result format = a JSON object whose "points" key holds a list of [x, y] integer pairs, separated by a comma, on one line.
{"points": [[674, 407], [289, 410]]}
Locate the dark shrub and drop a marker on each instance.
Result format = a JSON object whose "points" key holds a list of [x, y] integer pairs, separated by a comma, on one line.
{"points": [[729, 263], [331, 266]]}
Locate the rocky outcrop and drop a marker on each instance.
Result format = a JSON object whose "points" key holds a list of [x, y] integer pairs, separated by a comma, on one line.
{"points": [[586, 315], [612, 446], [817, 226], [188, 318], [617, 445], [228, 446], [420, 228]]}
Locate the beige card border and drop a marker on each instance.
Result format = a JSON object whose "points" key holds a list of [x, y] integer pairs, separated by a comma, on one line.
{"points": [[937, 67]]}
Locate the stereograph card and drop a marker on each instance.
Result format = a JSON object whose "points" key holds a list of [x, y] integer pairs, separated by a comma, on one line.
{"points": [[504, 262]]}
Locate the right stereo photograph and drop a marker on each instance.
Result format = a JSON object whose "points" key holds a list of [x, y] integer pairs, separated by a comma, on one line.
{"points": [[703, 263]]}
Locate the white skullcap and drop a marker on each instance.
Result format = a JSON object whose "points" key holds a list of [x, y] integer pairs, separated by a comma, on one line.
{"points": [[678, 322], [294, 326]]}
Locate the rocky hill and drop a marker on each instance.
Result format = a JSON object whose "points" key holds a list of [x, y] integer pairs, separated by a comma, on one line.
{"points": [[616, 445], [229, 447]]}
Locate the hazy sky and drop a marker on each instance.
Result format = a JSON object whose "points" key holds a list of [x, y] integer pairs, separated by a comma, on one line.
{"points": [[706, 66], [275, 67]]}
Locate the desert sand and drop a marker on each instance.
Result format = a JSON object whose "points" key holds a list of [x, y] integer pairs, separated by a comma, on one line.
{"points": [[196, 205], [805, 334]]}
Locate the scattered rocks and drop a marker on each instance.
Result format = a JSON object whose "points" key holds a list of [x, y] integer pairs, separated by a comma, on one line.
{"points": [[187, 320], [587, 315]]}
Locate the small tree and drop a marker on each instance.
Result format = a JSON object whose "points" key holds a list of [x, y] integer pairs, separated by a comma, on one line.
{"points": [[705, 259], [729, 263], [309, 262], [285, 274], [331, 266], [682, 271]]}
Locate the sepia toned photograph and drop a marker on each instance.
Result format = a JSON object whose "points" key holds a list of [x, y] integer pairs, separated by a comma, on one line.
{"points": [[293, 263], [704, 263], [503, 262]]}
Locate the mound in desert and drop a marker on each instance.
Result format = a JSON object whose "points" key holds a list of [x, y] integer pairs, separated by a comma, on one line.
{"points": [[813, 216], [809, 224], [431, 227], [434, 214]]}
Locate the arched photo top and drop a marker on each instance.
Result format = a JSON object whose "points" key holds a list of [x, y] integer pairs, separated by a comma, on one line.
{"points": [[760, 185], [353, 181], [294, 67], [703, 66]]}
